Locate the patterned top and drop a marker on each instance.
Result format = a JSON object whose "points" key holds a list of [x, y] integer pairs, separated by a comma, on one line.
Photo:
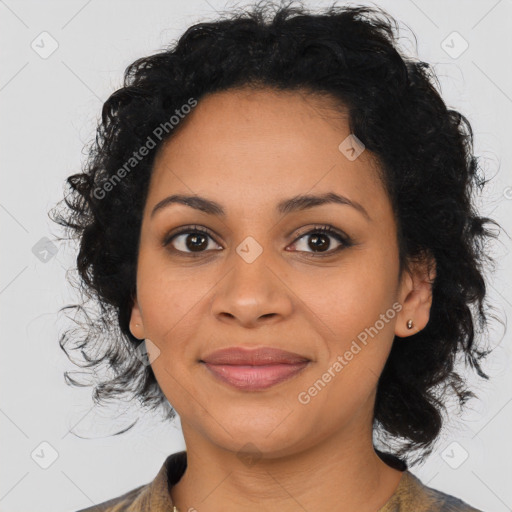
{"points": [[411, 495]]}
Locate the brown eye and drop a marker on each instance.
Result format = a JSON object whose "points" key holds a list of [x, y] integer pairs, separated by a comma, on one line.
{"points": [[319, 241], [191, 240]]}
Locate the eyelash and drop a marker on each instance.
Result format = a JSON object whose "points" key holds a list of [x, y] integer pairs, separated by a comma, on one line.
{"points": [[344, 240]]}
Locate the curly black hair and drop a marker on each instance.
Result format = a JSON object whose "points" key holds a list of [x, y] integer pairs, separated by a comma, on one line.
{"points": [[425, 153]]}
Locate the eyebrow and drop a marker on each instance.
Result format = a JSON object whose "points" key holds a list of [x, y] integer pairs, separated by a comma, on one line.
{"points": [[296, 203]]}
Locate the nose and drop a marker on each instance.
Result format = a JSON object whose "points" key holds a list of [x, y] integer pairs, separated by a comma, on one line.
{"points": [[252, 293]]}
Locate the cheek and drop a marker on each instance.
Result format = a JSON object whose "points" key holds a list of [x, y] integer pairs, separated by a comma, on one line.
{"points": [[168, 298], [354, 312], [346, 299]]}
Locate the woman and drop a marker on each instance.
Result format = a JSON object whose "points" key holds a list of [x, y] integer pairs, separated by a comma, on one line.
{"points": [[280, 205]]}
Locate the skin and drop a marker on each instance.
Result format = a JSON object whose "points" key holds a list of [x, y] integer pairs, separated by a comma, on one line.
{"points": [[248, 150]]}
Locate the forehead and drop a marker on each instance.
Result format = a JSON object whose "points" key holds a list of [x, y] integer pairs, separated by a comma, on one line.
{"points": [[254, 145]]}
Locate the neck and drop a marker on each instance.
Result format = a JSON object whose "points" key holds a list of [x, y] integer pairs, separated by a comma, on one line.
{"points": [[343, 469]]}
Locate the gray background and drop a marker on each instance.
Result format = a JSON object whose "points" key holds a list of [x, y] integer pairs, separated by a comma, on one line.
{"points": [[49, 108]]}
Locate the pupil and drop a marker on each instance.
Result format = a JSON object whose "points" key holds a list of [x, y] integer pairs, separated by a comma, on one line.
{"points": [[194, 245], [316, 245], [317, 241]]}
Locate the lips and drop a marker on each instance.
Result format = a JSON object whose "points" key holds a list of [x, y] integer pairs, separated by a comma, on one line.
{"points": [[254, 369], [253, 357]]}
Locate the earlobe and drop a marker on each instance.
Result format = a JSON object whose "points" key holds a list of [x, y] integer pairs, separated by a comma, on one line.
{"points": [[136, 324], [416, 291]]}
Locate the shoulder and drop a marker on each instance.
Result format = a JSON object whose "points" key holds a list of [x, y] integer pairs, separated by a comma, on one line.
{"points": [[122, 503], [412, 494], [151, 497]]}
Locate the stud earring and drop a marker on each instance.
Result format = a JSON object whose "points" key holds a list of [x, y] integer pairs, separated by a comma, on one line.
{"points": [[409, 324]]}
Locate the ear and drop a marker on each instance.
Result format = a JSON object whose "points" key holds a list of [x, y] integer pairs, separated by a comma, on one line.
{"points": [[415, 296], [136, 323]]}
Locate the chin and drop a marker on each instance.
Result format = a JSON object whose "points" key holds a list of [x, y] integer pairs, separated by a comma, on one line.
{"points": [[268, 441]]}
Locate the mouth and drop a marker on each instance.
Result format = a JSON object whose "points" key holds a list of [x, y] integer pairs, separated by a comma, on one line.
{"points": [[254, 369], [253, 378]]}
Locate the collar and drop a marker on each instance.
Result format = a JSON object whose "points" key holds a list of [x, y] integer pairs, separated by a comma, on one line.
{"points": [[410, 494]]}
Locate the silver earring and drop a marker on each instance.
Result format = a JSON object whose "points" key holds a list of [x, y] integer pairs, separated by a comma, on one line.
{"points": [[409, 324]]}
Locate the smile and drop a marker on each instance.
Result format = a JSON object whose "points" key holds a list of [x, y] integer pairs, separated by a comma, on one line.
{"points": [[254, 378]]}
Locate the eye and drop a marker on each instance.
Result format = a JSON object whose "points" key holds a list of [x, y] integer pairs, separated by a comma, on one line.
{"points": [[319, 240], [190, 240], [193, 240]]}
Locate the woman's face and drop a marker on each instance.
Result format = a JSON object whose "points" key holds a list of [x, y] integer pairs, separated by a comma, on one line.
{"points": [[258, 279]]}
